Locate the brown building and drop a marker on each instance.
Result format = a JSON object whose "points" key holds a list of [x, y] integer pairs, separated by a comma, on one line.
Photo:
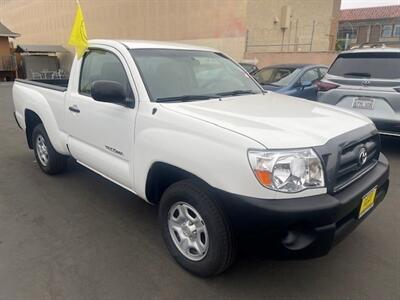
{"points": [[237, 27], [8, 65], [369, 25]]}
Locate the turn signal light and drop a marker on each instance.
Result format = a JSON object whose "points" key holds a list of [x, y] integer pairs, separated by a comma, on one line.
{"points": [[264, 177], [325, 86]]}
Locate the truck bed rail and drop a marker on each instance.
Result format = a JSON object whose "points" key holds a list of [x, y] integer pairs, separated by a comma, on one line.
{"points": [[53, 84]]}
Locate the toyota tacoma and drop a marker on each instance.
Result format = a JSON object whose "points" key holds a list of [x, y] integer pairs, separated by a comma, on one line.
{"points": [[189, 130]]}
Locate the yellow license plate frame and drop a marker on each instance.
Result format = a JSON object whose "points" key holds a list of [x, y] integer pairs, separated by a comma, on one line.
{"points": [[367, 202]]}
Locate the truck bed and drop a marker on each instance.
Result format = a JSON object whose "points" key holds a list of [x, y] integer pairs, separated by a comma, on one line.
{"points": [[53, 84], [45, 98]]}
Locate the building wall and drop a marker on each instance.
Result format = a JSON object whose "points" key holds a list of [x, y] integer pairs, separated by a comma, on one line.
{"points": [[231, 26], [265, 22], [272, 58], [365, 31], [49, 22], [4, 46], [7, 63]]}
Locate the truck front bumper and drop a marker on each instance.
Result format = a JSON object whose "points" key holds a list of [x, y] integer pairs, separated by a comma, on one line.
{"points": [[309, 225]]}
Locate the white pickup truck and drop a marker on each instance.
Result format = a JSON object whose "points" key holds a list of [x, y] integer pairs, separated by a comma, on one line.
{"points": [[228, 164]]}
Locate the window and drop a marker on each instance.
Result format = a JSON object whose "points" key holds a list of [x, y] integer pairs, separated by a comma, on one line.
{"points": [[311, 75], [350, 32], [102, 65], [322, 72], [249, 67], [387, 31], [369, 65], [170, 73], [396, 31], [279, 76]]}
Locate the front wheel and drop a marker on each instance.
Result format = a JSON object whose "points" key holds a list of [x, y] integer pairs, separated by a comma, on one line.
{"points": [[195, 229], [47, 157]]}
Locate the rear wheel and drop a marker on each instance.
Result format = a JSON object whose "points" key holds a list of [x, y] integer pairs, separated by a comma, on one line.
{"points": [[195, 230], [47, 157]]}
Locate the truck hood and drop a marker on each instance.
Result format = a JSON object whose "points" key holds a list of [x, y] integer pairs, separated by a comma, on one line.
{"points": [[275, 121]]}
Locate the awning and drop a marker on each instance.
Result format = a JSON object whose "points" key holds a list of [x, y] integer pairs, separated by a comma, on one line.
{"points": [[4, 31], [40, 49]]}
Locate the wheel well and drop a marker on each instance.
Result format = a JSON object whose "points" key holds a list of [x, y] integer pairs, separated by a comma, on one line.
{"points": [[31, 121], [160, 177]]}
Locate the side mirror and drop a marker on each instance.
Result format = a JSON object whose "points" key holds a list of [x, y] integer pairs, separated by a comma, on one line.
{"points": [[108, 91], [305, 83]]}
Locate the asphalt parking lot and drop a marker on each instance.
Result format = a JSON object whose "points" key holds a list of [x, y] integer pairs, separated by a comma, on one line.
{"points": [[78, 236]]}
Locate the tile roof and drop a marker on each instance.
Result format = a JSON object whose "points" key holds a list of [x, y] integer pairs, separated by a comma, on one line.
{"points": [[4, 31], [370, 13]]}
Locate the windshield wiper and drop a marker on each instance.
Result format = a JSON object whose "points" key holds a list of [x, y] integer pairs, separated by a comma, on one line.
{"points": [[186, 98], [235, 93], [358, 74]]}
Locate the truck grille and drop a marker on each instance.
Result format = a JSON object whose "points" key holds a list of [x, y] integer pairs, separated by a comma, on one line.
{"points": [[355, 160]]}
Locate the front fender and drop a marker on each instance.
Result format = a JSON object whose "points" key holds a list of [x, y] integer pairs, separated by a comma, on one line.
{"points": [[215, 155]]}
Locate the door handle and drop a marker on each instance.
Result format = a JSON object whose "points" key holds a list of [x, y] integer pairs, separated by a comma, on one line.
{"points": [[74, 109]]}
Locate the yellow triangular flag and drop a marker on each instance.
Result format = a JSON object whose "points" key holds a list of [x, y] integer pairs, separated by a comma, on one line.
{"points": [[78, 37]]}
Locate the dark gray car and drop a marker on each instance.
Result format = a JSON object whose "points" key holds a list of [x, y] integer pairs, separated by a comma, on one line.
{"points": [[367, 81]]}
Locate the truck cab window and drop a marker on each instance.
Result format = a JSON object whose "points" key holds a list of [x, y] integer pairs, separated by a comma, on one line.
{"points": [[102, 65]]}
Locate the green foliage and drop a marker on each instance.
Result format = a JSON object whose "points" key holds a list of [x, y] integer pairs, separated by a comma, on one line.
{"points": [[340, 45]]}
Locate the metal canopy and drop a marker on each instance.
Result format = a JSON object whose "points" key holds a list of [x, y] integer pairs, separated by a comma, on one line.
{"points": [[40, 49]]}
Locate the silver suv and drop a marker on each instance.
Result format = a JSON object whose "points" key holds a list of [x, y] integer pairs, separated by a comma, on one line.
{"points": [[367, 81]]}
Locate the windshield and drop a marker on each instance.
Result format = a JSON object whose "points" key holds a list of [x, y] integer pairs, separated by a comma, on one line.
{"points": [[180, 75], [367, 65], [279, 76]]}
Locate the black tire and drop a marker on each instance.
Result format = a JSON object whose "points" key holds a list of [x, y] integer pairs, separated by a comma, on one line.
{"points": [[221, 246], [57, 163]]}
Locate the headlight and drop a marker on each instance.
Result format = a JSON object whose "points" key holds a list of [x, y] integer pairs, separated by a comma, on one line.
{"points": [[287, 171]]}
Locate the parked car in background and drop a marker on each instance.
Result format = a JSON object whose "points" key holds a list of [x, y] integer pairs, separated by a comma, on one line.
{"points": [[367, 81], [297, 80], [250, 68]]}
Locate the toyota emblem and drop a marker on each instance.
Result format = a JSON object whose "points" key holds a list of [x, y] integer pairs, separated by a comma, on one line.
{"points": [[362, 156], [365, 82]]}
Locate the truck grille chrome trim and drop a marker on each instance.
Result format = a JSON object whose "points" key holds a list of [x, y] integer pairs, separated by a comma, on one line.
{"points": [[390, 133], [355, 160], [354, 178]]}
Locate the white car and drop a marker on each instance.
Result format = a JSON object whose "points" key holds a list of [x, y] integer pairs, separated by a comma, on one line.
{"points": [[223, 160]]}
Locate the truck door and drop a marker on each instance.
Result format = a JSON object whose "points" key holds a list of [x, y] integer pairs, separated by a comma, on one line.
{"points": [[101, 135]]}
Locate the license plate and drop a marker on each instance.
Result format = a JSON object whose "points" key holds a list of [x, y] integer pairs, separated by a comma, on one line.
{"points": [[364, 103], [367, 202]]}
